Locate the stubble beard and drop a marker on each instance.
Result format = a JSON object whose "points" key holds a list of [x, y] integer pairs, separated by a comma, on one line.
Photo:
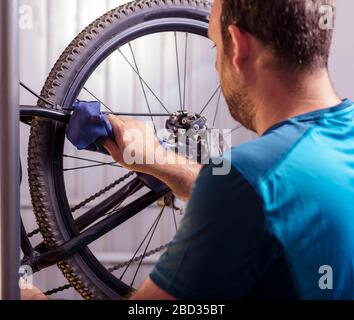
{"points": [[237, 96]]}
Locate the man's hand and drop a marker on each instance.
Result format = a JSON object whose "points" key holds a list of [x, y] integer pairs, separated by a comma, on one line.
{"points": [[136, 144], [150, 291], [137, 148], [33, 294]]}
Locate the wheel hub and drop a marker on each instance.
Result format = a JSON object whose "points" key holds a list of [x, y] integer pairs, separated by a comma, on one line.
{"points": [[185, 122]]}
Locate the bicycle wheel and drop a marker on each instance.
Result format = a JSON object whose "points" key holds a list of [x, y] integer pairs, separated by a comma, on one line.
{"points": [[46, 156]]}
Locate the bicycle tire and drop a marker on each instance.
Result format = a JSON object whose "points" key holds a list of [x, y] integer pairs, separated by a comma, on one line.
{"points": [[86, 51]]}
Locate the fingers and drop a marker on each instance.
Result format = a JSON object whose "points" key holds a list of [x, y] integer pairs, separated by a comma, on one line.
{"points": [[117, 120], [109, 145], [117, 125], [32, 294], [120, 119], [124, 118]]}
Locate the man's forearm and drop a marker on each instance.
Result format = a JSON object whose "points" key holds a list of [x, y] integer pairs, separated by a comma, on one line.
{"points": [[174, 170], [179, 174]]}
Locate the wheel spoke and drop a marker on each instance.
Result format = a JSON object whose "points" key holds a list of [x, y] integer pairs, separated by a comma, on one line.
{"points": [[237, 128], [217, 108], [93, 161], [211, 98], [174, 218], [142, 85], [147, 86], [147, 246], [185, 70], [178, 75], [130, 114], [94, 96], [234, 129], [137, 250], [117, 207], [91, 166]]}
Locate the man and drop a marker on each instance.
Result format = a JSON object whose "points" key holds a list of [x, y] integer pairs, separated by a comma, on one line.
{"points": [[280, 225]]}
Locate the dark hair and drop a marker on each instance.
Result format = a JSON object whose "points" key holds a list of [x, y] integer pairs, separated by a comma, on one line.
{"points": [[290, 28]]}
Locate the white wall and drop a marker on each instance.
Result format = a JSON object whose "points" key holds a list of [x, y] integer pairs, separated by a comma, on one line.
{"points": [[56, 23], [342, 53]]}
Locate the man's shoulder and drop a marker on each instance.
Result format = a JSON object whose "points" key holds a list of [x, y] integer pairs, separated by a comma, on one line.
{"points": [[256, 158]]}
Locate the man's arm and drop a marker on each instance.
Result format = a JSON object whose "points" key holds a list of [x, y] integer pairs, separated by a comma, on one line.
{"points": [[33, 294], [222, 247], [172, 169], [150, 291]]}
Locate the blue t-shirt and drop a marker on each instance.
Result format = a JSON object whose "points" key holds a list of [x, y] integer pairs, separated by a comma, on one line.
{"points": [[279, 225]]}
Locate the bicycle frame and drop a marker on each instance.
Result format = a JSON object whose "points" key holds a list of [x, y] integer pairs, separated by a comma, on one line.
{"points": [[28, 112]]}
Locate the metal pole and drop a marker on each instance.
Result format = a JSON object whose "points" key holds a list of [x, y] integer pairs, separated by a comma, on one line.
{"points": [[9, 146]]}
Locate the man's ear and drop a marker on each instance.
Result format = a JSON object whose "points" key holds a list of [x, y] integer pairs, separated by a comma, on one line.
{"points": [[239, 46]]}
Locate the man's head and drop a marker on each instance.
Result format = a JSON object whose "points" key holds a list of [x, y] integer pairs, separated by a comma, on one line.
{"points": [[281, 36]]}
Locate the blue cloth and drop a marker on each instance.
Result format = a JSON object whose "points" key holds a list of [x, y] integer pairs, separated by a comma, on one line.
{"points": [[88, 127], [279, 225]]}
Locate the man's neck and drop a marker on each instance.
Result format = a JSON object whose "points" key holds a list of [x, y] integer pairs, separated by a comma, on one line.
{"points": [[279, 99]]}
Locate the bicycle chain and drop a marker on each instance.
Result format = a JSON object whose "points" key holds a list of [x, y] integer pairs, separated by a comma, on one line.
{"points": [[138, 258], [33, 233], [114, 268], [101, 192], [91, 198]]}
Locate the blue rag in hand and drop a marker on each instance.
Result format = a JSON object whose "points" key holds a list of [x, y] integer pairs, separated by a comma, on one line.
{"points": [[89, 127]]}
